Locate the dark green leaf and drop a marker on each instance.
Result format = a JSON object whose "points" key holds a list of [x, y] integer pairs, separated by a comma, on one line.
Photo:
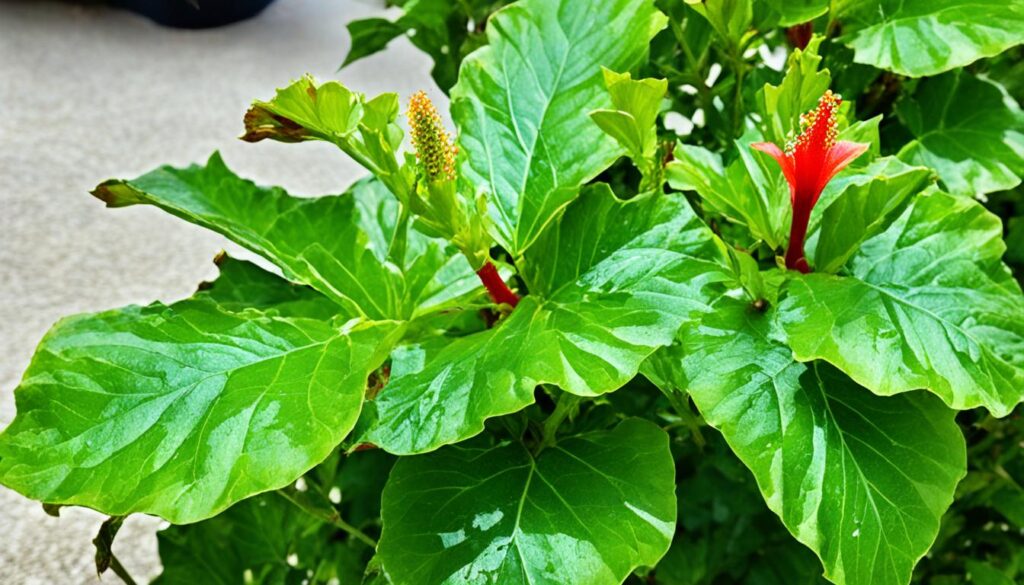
{"points": [[369, 36], [588, 510], [249, 544], [861, 479]]}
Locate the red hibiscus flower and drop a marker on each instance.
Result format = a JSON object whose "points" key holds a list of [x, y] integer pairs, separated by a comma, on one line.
{"points": [[809, 162]]}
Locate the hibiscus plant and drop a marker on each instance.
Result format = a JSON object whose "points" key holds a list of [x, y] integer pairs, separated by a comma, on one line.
{"points": [[700, 292]]}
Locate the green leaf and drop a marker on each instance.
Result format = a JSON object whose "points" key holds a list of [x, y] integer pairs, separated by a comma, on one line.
{"points": [[926, 304], [588, 510], [182, 410], [798, 11], [256, 536], [862, 480], [986, 574], [747, 191], [631, 122], [243, 285], [602, 300], [364, 129], [369, 36], [338, 245], [865, 207], [801, 88], [922, 37], [968, 130], [520, 105], [731, 19]]}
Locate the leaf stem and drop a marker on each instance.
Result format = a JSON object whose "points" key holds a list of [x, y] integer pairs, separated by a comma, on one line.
{"points": [[396, 249], [496, 287], [120, 571], [687, 418], [568, 404], [333, 519]]}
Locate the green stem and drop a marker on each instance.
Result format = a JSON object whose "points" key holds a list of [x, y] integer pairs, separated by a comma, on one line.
{"points": [[687, 418], [120, 571], [333, 519], [568, 404], [396, 249]]}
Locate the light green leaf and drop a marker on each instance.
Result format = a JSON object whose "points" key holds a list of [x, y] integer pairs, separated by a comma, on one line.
{"points": [[862, 480], [746, 192], [864, 132], [182, 410], [968, 130], [589, 510], [865, 207], [924, 37], [926, 304], [364, 129], [602, 300], [631, 122], [521, 103], [338, 245], [782, 105], [731, 19]]}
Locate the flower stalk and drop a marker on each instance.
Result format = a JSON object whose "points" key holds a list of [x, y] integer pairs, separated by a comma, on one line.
{"points": [[809, 162], [496, 287], [439, 204]]}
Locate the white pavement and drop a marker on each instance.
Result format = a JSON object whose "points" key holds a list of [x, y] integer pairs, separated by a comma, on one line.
{"points": [[88, 93]]}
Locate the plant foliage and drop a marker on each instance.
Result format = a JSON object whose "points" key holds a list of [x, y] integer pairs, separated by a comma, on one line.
{"points": [[664, 308]]}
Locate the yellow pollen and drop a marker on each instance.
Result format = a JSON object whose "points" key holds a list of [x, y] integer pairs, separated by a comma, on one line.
{"points": [[433, 145], [818, 126]]}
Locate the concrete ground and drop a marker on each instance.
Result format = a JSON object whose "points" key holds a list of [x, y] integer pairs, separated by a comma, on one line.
{"points": [[88, 93]]}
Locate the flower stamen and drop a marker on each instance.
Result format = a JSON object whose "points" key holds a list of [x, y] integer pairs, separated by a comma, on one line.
{"points": [[434, 148]]}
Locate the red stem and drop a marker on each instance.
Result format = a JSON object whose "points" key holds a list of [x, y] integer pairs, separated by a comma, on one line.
{"points": [[795, 259], [799, 35], [495, 286]]}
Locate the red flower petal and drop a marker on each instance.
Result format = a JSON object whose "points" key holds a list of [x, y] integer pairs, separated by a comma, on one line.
{"points": [[839, 156], [785, 161]]}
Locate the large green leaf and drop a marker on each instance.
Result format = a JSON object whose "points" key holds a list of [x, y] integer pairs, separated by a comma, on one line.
{"points": [[337, 244], [588, 510], [926, 304], [924, 37], [968, 130], [866, 205], [611, 282], [521, 104], [182, 410], [862, 480]]}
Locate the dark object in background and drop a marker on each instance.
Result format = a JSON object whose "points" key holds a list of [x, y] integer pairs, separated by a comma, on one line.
{"points": [[194, 13]]}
